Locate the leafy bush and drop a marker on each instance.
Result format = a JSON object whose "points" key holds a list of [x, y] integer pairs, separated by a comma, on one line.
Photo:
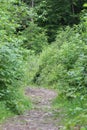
{"points": [[12, 73], [34, 38], [13, 19], [63, 65], [13, 57]]}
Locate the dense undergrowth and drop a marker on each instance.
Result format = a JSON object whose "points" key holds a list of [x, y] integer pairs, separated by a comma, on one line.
{"points": [[12, 63], [18, 35], [63, 65], [26, 58]]}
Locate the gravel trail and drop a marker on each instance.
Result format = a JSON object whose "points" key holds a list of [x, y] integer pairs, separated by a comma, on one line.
{"points": [[41, 117]]}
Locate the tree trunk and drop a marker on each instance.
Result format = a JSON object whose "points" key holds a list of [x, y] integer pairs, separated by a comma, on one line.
{"points": [[32, 3]]}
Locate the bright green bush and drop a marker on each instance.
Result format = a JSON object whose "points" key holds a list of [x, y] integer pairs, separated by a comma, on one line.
{"points": [[12, 73], [18, 36], [13, 57], [13, 19]]}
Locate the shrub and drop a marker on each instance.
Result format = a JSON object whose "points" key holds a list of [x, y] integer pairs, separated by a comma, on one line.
{"points": [[34, 38], [13, 57], [63, 65], [12, 73]]}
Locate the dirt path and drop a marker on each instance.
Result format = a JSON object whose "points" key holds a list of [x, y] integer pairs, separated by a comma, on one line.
{"points": [[41, 117]]}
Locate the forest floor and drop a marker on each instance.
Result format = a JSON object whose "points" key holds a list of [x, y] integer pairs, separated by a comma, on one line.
{"points": [[41, 117]]}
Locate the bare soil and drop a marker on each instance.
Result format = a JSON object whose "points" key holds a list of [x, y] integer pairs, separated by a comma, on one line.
{"points": [[41, 117]]}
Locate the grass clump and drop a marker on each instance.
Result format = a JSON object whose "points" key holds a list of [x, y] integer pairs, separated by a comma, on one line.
{"points": [[4, 112], [74, 112]]}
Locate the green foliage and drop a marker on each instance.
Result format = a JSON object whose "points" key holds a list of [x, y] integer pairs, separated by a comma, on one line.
{"points": [[18, 35], [64, 62], [4, 112], [12, 73], [13, 18], [34, 38], [16, 26], [85, 5], [52, 14], [33, 65], [63, 65], [17, 102], [13, 57], [74, 112]]}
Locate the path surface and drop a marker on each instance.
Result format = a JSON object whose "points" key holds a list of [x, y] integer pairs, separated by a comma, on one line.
{"points": [[41, 117]]}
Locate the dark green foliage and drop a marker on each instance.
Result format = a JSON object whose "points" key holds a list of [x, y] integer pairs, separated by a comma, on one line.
{"points": [[34, 38], [53, 14]]}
